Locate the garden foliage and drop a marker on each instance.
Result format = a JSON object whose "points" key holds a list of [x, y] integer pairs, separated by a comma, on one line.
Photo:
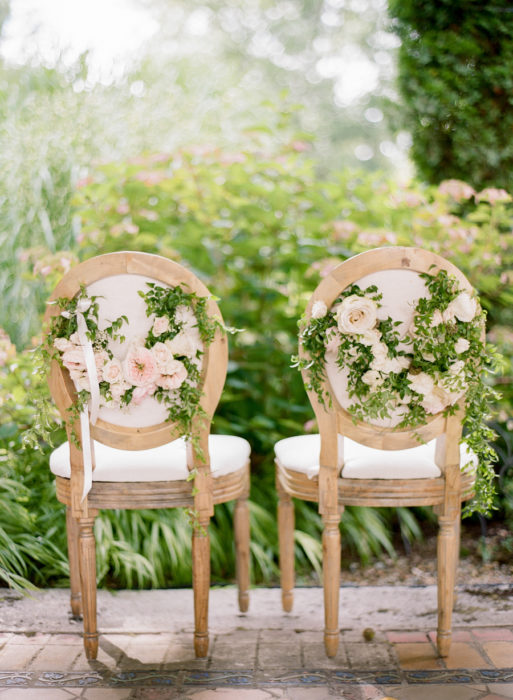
{"points": [[456, 83], [260, 229]]}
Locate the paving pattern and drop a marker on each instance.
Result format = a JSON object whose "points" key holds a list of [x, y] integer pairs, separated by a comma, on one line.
{"points": [[262, 654]]}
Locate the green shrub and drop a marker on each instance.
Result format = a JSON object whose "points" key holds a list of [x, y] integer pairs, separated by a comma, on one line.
{"points": [[260, 229], [456, 83]]}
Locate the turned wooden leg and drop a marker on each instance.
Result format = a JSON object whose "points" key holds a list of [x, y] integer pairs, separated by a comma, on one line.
{"points": [[331, 576], [74, 564], [241, 527], [87, 552], [286, 547], [448, 544], [201, 585]]}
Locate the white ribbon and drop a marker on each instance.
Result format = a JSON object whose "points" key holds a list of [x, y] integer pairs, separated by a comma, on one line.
{"points": [[85, 418]]}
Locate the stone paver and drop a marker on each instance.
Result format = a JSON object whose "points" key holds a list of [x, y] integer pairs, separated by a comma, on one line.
{"points": [[500, 653], [417, 655], [436, 692], [493, 634], [364, 655], [504, 689], [15, 657], [463, 655]]}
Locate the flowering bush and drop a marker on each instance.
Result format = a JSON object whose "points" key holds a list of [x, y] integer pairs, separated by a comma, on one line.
{"points": [[397, 376]]}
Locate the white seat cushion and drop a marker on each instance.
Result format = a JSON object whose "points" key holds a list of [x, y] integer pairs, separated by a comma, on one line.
{"points": [[228, 453], [301, 453]]}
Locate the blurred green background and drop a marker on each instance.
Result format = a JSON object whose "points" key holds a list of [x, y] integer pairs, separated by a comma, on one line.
{"points": [[258, 144]]}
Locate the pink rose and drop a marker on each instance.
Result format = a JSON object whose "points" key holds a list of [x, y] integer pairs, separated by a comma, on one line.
{"points": [[112, 371], [118, 389], [141, 392], [73, 359], [140, 366], [100, 358], [174, 377], [457, 189], [160, 325]]}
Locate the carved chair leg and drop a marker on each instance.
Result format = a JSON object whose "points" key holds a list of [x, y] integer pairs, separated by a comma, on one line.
{"points": [[74, 564], [87, 551], [286, 547], [331, 576], [241, 527], [201, 585], [448, 551]]}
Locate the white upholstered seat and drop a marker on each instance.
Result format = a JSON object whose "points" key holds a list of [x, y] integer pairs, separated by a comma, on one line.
{"points": [[301, 454], [228, 454]]}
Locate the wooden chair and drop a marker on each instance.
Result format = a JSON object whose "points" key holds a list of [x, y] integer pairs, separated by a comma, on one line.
{"points": [[139, 458], [361, 464]]}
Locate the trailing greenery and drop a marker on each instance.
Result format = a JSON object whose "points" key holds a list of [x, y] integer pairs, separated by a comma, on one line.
{"points": [[403, 376], [455, 80]]}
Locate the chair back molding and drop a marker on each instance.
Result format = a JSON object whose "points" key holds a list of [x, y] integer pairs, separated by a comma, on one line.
{"points": [[349, 272], [145, 267]]}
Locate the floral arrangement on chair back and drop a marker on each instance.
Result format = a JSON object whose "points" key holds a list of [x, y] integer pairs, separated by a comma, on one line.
{"points": [[401, 377]]}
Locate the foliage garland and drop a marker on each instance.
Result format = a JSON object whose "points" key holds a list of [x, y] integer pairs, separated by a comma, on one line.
{"points": [[441, 359]]}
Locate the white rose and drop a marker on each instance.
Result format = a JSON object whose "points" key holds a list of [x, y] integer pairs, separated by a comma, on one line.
{"points": [[62, 344], [371, 337], [461, 345], [185, 316], [421, 383], [163, 356], [464, 307], [112, 372], [448, 314], [319, 309], [435, 401], [379, 350], [118, 389], [429, 357], [356, 314], [332, 341], [390, 364], [184, 344], [83, 305], [372, 378], [160, 325], [437, 318], [75, 338], [457, 367]]}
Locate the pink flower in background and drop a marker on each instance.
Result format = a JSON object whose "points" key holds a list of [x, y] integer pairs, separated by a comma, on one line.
{"points": [[457, 189], [343, 229], [140, 366], [493, 195]]}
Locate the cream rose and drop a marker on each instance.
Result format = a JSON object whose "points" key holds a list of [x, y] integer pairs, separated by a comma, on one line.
{"points": [[319, 309], [184, 344], [112, 371], [160, 325], [371, 337], [163, 355], [62, 344], [461, 345], [421, 383], [73, 359], [356, 314], [372, 378], [332, 342], [118, 389], [435, 401], [464, 307], [175, 376], [185, 316]]}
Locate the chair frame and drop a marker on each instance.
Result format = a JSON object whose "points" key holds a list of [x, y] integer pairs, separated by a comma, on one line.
{"points": [[200, 495], [332, 492]]}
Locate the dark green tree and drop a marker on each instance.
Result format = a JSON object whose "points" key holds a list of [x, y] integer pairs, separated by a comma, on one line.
{"points": [[456, 82]]}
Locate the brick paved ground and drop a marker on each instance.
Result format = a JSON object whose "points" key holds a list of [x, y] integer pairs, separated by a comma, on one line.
{"points": [[146, 648]]}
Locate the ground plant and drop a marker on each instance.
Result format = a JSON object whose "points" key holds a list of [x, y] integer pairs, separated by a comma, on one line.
{"points": [[260, 228]]}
